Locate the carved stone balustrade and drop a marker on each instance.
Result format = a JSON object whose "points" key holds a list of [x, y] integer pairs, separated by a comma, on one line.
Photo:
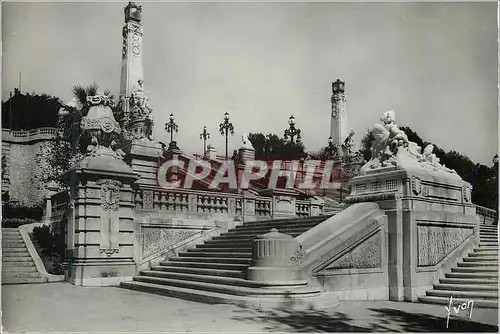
{"points": [[274, 257]]}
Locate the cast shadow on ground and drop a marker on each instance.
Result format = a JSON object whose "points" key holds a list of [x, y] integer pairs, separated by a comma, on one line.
{"points": [[381, 320]]}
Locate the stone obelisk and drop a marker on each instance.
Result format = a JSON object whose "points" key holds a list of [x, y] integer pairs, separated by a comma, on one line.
{"points": [[135, 114], [338, 125]]}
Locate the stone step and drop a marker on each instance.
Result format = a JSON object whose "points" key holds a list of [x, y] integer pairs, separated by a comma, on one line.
{"points": [[246, 236], [467, 281], [16, 264], [10, 269], [465, 287], [226, 260], [216, 254], [210, 279], [25, 280], [487, 275], [17, 259], [200, 271], [13, 245], [484, 264], [20, 250], [12, 237], [488, 239], [486, 249], [488, 244], [479, 270], [258, 232], [480, 259], [208, 265], [484, 253], [446, 301], [221, 288], [229, 243], [218, 298], [200, 248], [265, 229], [9, 229], [286, 221], [19, 274], [16, 255], [464, 294]]}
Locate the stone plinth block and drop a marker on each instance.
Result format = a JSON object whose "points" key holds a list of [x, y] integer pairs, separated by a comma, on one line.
{"points": [[142, 156], [246, 154], [273, 256]]}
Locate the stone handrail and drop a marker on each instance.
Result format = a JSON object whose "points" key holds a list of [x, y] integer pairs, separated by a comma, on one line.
{"points": [[28, 135], [486, 215], [25, 230], [337, 233]]}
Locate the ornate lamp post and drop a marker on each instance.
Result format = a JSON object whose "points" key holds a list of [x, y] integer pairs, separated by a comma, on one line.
{"points": [[292, 131], [205, 135], [226, 127], [170, 127]]}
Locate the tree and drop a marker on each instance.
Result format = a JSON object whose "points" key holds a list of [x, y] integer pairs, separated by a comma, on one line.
{"points": [[69, 145], [272, 147]]}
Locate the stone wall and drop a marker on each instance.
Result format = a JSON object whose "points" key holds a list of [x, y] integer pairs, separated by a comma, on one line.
{"points": [[27, 165]]}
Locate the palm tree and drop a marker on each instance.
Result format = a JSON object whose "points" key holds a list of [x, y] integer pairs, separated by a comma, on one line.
{"points": [[81, 93]]}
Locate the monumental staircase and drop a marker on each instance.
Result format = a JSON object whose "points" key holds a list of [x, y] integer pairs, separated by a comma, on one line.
{"points": [[215, 271], [474, 278], [17, 265]]}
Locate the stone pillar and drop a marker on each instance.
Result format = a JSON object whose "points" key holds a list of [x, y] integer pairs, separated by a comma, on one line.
{"points": [[143, 156], [338, 126], [248, 206], [273, 256], [52, 189], [100, 236], [211, 153], [283, 202], [246, 154]]}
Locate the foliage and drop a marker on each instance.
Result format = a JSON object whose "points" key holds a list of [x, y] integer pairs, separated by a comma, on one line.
{"points": [[16, 222], [13, 210], [30, 111], [51, 246], [271, 147], [482, 178]]}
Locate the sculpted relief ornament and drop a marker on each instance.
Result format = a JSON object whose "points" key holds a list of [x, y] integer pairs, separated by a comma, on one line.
{"points": [[391, 148], [137, 118]]}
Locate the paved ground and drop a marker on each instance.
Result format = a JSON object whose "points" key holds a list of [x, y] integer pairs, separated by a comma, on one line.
{"points": [[61, 307]]}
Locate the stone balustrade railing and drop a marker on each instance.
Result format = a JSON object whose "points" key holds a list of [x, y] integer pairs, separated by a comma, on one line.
{"points": [[29, 135], [213, 203], [486, 215], [59, 205]]}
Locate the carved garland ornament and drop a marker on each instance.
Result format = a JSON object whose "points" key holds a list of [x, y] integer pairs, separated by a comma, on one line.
{"points": [[110, 194], [416, 185]]}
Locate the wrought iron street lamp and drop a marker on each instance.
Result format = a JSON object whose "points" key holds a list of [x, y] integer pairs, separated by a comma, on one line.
{"points": [[292, 131], [205, 135], [226, 127], [170, 127]]}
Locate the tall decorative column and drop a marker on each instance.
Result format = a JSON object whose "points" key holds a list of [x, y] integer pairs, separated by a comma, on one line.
{"points": [[338, 125], [134, 111], [100, 219]]}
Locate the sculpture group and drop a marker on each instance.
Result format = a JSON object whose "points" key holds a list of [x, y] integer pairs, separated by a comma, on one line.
{"points": [[390, 147]]}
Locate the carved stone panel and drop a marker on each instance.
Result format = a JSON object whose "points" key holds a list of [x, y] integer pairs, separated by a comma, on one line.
{"points": [[436, 242], [147, 200], [365, 255], [155, 239], [110, 217]]}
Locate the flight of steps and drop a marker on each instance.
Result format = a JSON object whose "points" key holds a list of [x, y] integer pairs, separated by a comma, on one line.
{"points": [[476, 277], [214, 272], [17, 265]]}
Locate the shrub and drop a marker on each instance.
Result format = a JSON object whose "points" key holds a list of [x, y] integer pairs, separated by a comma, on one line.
{"points": [[16, 222], [13, 210], [51, 246]]}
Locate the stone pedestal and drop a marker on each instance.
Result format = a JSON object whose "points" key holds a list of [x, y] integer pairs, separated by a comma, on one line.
{"points": [[211, 153], [273, 257], [100, 226], [246, 154], [143, 156], [431, 223], [283, 202]]}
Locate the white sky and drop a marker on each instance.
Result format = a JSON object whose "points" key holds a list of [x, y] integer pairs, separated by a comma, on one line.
{"points": [[435, 64]]}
